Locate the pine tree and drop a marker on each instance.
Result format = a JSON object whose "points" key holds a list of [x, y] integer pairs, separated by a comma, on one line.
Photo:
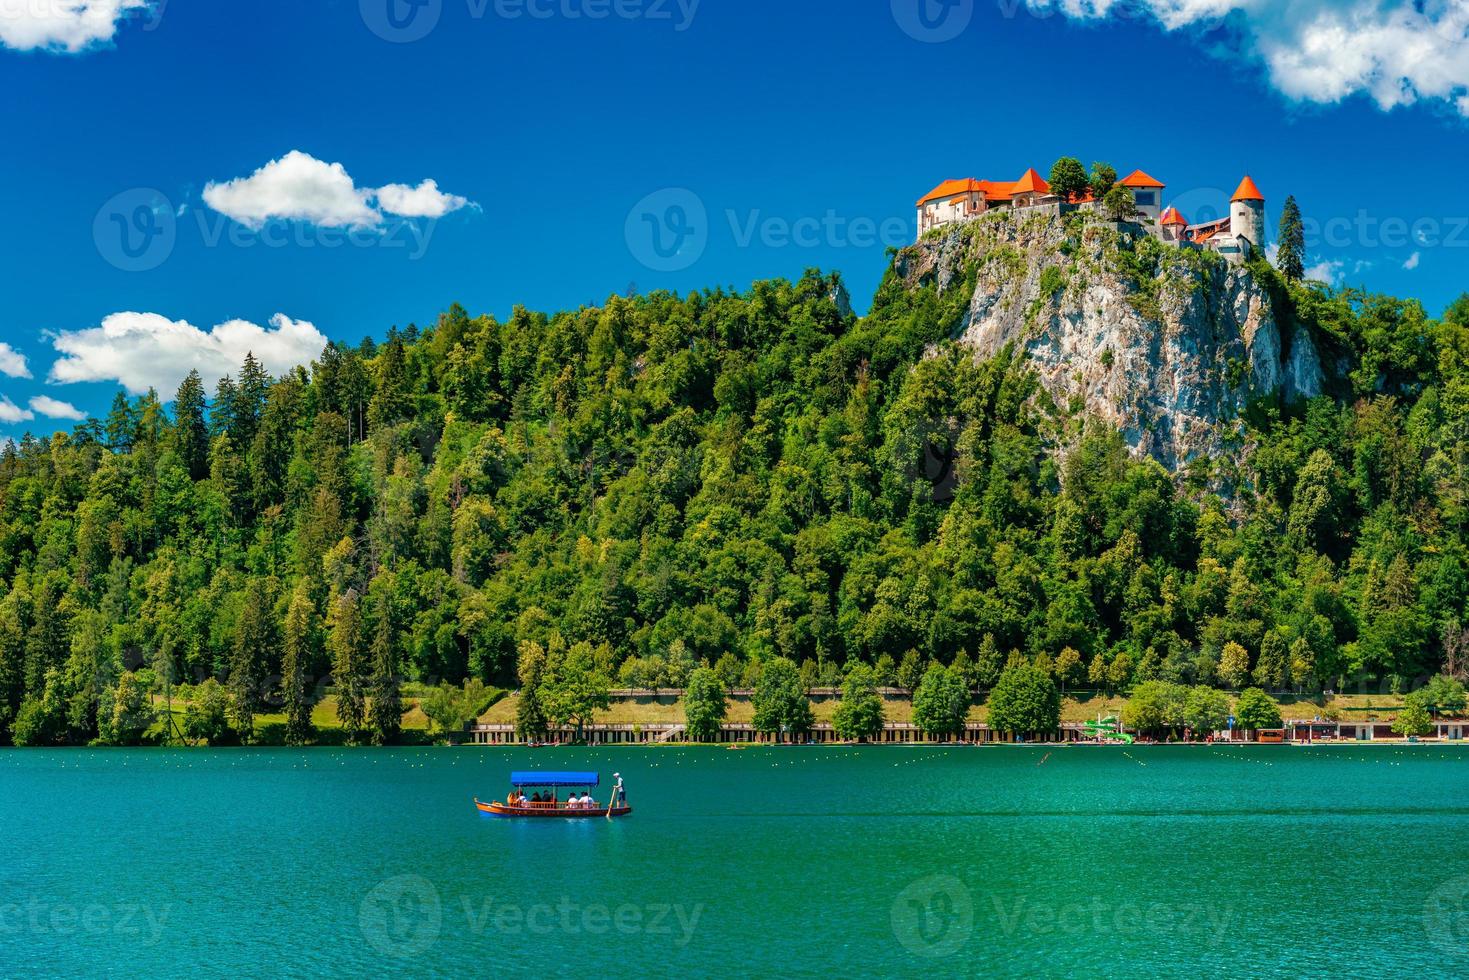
{"points": [[385, 708], [1272, 668], [222, 411], [250, 657], [49, 639], [347, 664], [121, 428], [249, 404], [190, 428], [296, 655], [393, 401], [530, 714], [1290, 258]]}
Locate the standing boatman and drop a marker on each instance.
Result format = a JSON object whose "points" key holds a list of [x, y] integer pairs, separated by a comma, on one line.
{"points": [[619, 795]]}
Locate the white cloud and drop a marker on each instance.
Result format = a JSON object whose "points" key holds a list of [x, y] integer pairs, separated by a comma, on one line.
{"points": [[1413, 261], [62, 25], [11, 413], [13, 362], [1328, 271], [299, 187], [1398, 52], [423, 201], [55, 409], [145, 350]]}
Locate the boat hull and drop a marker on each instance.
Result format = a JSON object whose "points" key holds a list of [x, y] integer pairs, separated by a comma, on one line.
{"points": [[549, 813]]}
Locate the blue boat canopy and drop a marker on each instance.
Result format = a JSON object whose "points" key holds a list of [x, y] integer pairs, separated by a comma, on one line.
{"points": [[554, 779]]}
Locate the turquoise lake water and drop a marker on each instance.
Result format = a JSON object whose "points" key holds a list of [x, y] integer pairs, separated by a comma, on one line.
{"points": [[1145, 861]]}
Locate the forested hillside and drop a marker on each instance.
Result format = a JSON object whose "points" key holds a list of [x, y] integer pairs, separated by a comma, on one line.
{"points": [[664, 480]]}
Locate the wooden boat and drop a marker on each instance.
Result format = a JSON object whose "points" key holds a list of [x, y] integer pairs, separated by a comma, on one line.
{"points": [[556, 809]]}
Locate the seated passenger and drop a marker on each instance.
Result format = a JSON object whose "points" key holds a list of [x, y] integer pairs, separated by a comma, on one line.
{"points": [[587, 801]]}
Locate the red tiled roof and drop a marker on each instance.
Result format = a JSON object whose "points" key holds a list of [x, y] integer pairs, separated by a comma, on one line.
{"points": [[997, 190], [951, 188], [1172, 217], [1248, 191], [1031, 182], [1139, 179]]}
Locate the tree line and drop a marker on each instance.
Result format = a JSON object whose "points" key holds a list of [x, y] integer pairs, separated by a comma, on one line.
{"points": [[723, 481]]}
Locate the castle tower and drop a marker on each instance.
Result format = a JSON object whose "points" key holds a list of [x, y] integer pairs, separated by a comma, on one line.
{"points": [[1147, 194], [1173, 225], [1247, 215]]}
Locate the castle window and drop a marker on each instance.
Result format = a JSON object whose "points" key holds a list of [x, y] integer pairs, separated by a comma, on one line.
{"points": [[1146, 198]]}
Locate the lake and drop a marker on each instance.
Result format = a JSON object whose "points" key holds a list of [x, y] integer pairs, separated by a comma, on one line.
{"points": [[1049, 861]]}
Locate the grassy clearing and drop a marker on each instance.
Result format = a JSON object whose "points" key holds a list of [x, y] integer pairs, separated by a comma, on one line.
{"points": [[270, 728]]}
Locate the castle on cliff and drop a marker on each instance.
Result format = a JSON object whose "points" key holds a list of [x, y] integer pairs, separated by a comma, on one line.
{"points": [[1235, 237]]}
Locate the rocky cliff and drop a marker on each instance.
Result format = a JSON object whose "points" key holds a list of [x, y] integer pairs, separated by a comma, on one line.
{"points": [[1167, 343]]}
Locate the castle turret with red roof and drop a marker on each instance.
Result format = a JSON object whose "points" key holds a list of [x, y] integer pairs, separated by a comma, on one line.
{"points": [[1247, 217]]}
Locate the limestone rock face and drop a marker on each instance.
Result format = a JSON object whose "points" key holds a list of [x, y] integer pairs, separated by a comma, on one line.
{"points": [[1166, 343]]}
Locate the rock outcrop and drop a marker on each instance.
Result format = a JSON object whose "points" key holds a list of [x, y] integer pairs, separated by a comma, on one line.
{"points": [[1167, 343]]}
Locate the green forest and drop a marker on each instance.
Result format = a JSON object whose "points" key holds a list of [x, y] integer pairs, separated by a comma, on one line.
{"points": [[628, 491]]}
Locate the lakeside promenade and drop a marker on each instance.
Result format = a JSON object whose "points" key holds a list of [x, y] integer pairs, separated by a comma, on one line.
{"points": [[659, 721]]}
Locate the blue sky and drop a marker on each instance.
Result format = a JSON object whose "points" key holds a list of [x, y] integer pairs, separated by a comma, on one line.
{"points": [[571, 153]]}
